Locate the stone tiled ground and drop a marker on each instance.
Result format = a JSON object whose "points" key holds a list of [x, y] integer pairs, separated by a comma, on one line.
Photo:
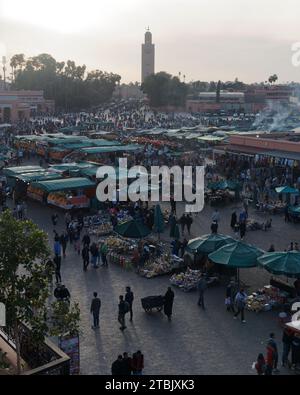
{"points": [[196, 342]]}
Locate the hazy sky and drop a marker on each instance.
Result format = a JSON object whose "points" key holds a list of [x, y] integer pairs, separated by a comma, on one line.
{"points": [[204, 39]]}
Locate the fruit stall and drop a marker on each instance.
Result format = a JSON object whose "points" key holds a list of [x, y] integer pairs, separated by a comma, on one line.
{"points": [[65, 193]]}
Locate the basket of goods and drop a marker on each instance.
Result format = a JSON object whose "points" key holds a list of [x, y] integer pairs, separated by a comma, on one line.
{"points": [[101, 230], [156, 267], [186, 281]]}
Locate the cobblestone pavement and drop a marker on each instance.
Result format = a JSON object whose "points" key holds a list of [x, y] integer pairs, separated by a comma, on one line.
{"points": [[196, 341]]}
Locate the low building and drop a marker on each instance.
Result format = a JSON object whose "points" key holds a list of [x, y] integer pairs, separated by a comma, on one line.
{"points": [[253, 100], [128, 91], [20, 105], [207, 102]]}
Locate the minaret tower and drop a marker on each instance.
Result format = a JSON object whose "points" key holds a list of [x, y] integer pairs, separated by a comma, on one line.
{"points": [[148, 56]]}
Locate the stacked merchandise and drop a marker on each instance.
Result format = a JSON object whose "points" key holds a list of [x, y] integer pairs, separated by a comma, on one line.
{"points": [[123, 216], [186, 281], [119, 251], [160, 266], [35, 194], [98, 225], [266, 299], [104, 228]]}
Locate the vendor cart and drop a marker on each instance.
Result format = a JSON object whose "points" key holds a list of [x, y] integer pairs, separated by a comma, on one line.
{"points": [[153, 302]]}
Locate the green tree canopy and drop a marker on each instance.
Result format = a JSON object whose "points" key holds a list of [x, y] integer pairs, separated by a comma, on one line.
{"points": [[163, 89], [68, 84], [23, 277]]}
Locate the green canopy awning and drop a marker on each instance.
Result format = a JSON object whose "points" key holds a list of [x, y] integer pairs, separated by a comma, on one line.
{"points": [[239, 255], [287, 189], [66, 167], [103, 150], [64, 184], [133, 229], [89, 171], [43, 176], [208, 243], [13, 171], [281, 263], [105, 143], [222, 185]]}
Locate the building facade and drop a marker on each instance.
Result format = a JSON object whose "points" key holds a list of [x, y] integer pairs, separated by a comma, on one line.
{"points": [[252, 100], [16, 106], [148, 56]]}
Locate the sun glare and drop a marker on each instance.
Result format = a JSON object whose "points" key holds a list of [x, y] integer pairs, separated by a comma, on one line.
{"points": [[59, 15]]}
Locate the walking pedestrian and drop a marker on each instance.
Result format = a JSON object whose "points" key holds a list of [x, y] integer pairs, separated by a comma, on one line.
{"points": [[126, 365], [54, 218], [240, 301], [233, 220], [95, 310], [189, 221], [123, 309], [215, 216], [260, 365], [85, 253], [57, 262], [202, 286], [129, 298], [76, 239], [242, 229], [272, 343], [230, 294], [183, 222], [94, 254], [214, 227], [57, 246], [168, 303], [68, 220], [117, 366], [287, 339], [103, 253], [86, 240], [137, 363], [63, 241], [173, 205]]}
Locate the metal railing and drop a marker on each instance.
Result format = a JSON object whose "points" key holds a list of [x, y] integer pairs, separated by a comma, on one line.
{"points": [[43, 359]]}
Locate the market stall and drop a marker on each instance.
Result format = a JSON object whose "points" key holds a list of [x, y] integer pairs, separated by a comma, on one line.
{"points": [[222, 192], [198, 249], [12, 173], [159, 266], [66, 193], [238, 255], [189, 280], [23, 181]]}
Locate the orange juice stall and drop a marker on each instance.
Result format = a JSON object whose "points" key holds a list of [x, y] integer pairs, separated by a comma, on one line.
{"points": [[66, 193]]}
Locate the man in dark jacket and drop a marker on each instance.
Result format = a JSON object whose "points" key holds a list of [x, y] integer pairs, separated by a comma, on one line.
{"points": [[95, 310], [116, 367], [202, 285], [168, 305], [214, 227], [189, 221], [122, 311], [86, 240], [129, 297], [126, 365], [85, 253]]}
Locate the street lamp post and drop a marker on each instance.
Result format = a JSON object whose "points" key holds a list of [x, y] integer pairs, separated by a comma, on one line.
{"points": [[4, 71]]}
